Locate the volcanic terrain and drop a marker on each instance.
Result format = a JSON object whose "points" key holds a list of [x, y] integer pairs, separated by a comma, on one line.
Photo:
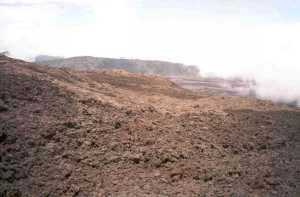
{"points": [[67, 132]]}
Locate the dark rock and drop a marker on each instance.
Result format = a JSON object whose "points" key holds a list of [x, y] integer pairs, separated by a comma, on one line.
{"points": [[3, 137], [117, 125], [225, 146], [207, 178], [262, 147], [75, 190], [49, 134], [8, 175], [3, 108], [272, 181], [72, 125], [196, 177], [151, 109], [20, 174], [129, 112], [176, 175], [11, 139], [10, 193], [136, 158]]}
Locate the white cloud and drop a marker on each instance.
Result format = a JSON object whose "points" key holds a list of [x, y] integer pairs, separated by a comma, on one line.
{"points": [[40, 28]]}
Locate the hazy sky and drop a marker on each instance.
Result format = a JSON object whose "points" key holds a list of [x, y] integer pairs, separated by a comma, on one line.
{"points": [[221, 36]]}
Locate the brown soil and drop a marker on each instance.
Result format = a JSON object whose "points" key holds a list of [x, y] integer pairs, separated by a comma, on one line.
{"points": [[112, 133]]}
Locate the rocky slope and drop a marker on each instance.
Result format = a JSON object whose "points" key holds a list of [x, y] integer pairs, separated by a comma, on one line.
{"points": [[131, 65], [66, 132]]}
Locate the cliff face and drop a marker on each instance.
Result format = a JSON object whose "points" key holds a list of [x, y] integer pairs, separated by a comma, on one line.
{"points": [[66, 132], [131, 65]]}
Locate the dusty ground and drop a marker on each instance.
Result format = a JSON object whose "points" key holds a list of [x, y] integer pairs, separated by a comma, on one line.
{"points": [[112, 133]]}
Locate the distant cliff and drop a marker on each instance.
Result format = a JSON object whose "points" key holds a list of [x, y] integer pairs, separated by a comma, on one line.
{"points": [[131, 65], [42, 58]]}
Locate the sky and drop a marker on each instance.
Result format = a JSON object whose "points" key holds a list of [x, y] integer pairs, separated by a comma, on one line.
{"points": [[254, 39]]}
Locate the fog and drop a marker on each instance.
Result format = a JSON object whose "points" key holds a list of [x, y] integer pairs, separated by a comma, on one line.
{"points": [[254, 40], [281, 86]]}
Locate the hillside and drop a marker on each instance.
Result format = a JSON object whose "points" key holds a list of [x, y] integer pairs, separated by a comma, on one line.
{"points": [[68, 132], [131, 65]]}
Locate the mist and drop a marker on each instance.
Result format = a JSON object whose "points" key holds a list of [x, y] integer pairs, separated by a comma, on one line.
{"points": [[257, 40], [281, 87]]}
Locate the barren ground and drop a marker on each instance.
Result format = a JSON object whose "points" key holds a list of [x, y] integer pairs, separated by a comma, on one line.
{"points": [[112, 133]]}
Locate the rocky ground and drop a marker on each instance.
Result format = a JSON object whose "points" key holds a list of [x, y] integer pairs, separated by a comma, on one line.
{"points": [[112, 133]]}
